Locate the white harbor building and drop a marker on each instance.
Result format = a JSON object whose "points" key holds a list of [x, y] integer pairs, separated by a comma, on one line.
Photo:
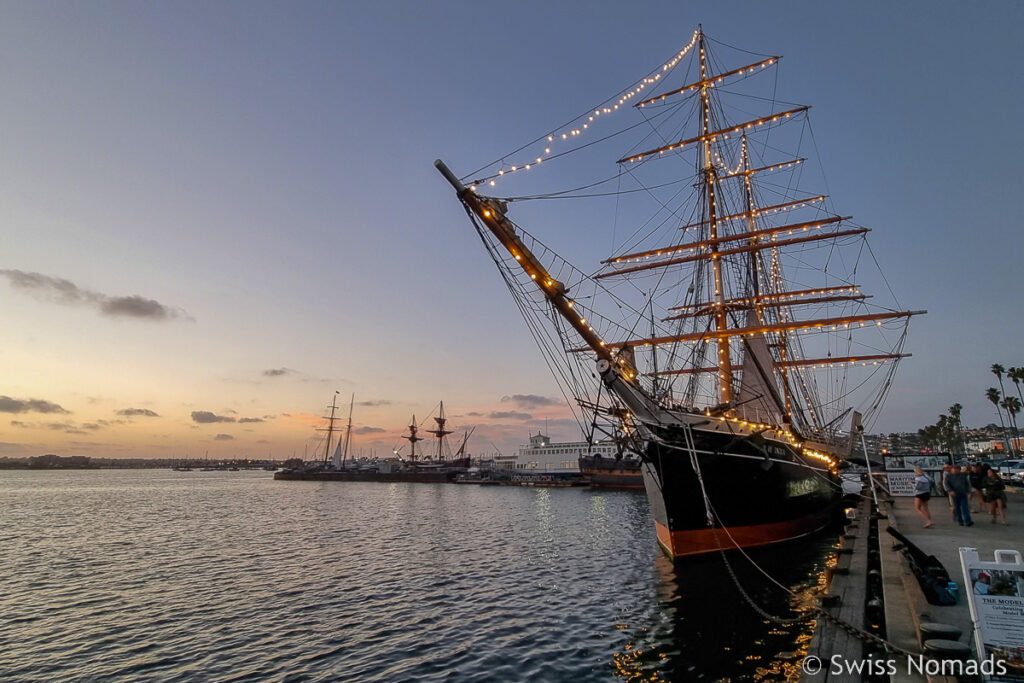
{"points": [[542, 455]]}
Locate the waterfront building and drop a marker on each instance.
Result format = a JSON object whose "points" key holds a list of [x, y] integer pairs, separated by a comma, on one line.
{"points": [[501, 462], [986, 446], [540, 454]]}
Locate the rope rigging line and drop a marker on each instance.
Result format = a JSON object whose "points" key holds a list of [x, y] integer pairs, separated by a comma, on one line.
{"points": [[564, 194], [811, 613], [539, 332]]}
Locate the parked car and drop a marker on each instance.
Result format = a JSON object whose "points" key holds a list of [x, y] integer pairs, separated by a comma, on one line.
{"points": [[1011, 470]]}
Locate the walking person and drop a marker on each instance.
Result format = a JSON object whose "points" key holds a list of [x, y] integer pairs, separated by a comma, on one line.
{"points": [[995, 495], [922, 492], [944, 488], [977, 477], [959, 488]]}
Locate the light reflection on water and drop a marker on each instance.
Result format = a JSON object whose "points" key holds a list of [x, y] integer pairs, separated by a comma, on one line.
{"points": [[157, 575]]}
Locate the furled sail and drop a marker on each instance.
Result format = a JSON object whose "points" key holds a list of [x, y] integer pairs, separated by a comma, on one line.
{"points": [[759, 397]]}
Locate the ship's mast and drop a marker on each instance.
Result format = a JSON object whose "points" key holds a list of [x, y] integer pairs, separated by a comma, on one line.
{"points": [[465, 439], [440, 432], [721, 322], [756, 297], [748, 195], [412, 438], [348, 431], [755, 290], [330, 427]]}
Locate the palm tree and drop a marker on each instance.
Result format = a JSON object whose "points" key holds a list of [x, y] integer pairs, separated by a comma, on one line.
{"points": [[1012, 406], [1017, 375], [998, 371], [944, 432], [955, 412], [993, 395], [929, 436]]}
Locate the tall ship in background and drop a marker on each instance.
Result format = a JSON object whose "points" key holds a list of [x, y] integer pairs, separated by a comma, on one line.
{"points": [[727, 336], [439, 467]]}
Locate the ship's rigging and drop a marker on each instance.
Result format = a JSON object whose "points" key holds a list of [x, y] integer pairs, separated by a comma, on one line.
{"points": [[737, 292]]}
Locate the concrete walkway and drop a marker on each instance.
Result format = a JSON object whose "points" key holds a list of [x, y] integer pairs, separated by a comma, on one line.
{"points": [[944, 541]]}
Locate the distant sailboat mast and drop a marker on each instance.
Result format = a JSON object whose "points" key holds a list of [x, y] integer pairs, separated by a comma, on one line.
{"points": [[330, 427], [348, 431]]}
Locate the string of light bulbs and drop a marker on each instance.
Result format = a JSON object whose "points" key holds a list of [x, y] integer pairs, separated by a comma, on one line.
{"points": [[583, 123]]}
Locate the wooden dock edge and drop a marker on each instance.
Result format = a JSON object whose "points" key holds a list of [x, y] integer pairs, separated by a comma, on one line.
{"points": [[844, 598], [905, 605]]}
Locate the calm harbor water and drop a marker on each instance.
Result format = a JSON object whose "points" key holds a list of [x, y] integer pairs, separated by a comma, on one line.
{"points": [[137, 575]]}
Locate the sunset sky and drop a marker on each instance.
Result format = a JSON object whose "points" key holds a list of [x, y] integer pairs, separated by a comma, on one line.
{"points": [[216, 215]]}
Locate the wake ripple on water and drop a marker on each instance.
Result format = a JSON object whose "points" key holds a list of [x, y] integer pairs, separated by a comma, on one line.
{"points": [[150, 575]]}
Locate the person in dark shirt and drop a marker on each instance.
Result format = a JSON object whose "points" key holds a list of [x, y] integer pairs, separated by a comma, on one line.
{"points": [[959, 488], [995, 495], [977, 477]]}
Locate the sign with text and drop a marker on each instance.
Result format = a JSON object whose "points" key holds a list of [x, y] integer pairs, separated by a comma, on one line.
{"points": [[900, 483], [995, 592]]}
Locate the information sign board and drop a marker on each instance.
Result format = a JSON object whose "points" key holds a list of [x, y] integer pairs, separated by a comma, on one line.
{"points": [[926, 461], [995, 592], [900, 483]]}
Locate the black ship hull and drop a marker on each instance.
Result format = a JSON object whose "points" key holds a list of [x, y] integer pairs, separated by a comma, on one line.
{"points": [[760, 492], [432, 477]]}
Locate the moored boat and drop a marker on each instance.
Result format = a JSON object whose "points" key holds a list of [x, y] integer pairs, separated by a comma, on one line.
{"points": [[439, 468], [732, 343], [616, 472]]}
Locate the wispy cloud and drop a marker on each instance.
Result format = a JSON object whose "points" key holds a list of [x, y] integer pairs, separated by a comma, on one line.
{"points": [[250, 419], [510, 415], [206, 417], [530, 400], [31, 405], [223, 437], [368, 430], [66, 427], [277, 372], [61, 291], [137, 412], [42, 425], [372, 404]]}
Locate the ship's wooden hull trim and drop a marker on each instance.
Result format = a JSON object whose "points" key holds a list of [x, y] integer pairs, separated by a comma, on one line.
{"points": [[384, 477], [677, 544]]}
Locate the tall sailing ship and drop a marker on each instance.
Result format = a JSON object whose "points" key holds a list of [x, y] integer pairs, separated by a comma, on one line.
{"points": [[731, 337], [440, 467]]}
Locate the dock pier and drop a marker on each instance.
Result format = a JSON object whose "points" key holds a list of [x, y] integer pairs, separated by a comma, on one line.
{"points": [[870, 568]]}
